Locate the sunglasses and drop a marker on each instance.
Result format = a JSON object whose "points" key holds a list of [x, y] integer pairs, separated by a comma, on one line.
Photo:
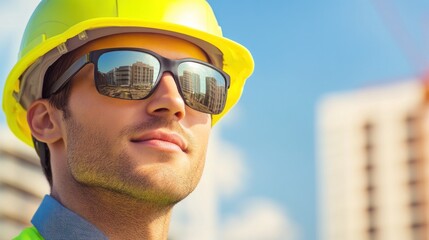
{"points": [[134, 74]]}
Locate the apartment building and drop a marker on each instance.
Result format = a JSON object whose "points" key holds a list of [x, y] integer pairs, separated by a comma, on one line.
{"points": [[22, 185], [373, 161]]}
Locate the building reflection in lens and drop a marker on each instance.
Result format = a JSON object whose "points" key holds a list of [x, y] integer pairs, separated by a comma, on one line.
{"points": [[135, 81], [205, 95], [129, 82]]}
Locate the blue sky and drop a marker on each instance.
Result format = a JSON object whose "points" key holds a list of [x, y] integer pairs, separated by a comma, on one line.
{"points": [[302, 50]]}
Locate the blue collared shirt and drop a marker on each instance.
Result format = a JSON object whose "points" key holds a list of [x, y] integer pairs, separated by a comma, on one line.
{"points": [[54, 221]]}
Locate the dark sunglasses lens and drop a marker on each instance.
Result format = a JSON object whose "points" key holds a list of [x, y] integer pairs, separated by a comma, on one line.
{"points": [[203, 87], [126, 74]]}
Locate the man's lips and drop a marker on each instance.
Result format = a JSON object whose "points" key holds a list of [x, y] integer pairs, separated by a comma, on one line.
{"points": [[162, 139]]}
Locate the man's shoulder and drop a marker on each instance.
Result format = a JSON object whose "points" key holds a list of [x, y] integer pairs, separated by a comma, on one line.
{"points": [[30, 233]]}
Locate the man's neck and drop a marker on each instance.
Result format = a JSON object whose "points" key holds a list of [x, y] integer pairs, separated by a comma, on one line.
{"points": [[118, 216]]}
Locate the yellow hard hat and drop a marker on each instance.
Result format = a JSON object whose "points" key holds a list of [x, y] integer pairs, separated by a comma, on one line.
{"points": [[59, 26]]}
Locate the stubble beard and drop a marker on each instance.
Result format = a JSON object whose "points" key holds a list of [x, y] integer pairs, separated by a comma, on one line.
{"points": [[94, 165]]}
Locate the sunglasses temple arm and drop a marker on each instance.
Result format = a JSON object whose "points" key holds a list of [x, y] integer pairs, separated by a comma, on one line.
{"points": [[69, 73]]}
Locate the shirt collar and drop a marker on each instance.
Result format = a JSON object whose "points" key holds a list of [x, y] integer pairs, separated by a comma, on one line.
{"points": [[54, 221]]}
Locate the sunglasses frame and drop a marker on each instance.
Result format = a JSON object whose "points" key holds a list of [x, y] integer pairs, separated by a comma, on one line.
{"points": [[166, 65]]}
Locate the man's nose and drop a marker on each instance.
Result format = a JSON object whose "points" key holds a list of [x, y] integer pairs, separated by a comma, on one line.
{"points": [[166, 101]]}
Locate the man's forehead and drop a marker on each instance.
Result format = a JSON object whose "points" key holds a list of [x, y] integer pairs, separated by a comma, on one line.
{"points": [[167, 46]]}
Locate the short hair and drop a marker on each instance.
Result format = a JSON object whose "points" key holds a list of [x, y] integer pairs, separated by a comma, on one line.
{"points": [[58, 100]]}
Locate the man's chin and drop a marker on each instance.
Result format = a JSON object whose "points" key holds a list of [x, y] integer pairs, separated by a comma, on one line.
{"points": [[163, 186]]}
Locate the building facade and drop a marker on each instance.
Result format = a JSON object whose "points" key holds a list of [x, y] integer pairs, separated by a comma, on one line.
{"points": [[374, 161], [22, 185]]}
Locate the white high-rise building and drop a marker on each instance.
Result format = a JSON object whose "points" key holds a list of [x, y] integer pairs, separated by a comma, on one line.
{"points": [[374, 161]]}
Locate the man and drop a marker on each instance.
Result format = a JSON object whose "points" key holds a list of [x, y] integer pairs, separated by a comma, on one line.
{"points": [[118, 98]]}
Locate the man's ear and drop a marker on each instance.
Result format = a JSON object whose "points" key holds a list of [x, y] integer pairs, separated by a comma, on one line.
{"points": [[44, 121]]}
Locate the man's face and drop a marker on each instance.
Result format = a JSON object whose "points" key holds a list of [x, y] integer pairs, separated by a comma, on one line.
{"points": [[152, 149]]}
